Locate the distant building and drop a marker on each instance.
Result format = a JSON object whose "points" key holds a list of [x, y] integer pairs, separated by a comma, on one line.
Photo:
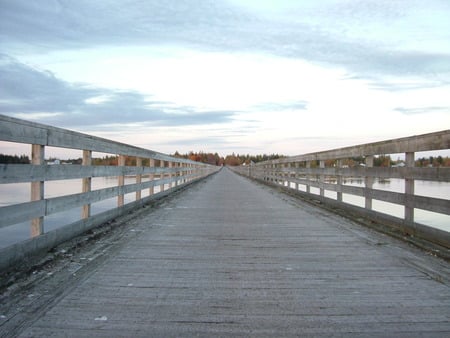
{"points": [[401, 164]]}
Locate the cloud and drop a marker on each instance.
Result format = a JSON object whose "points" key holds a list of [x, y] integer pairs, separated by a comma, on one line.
{"points": [[422, 110], [364, 37], [276, 106], [86, 23], [31, 93], [201, 63]]}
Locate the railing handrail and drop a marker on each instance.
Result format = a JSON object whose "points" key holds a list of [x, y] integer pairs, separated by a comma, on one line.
{"points": [[22, 131], [165, 172], [301, 172], [425, 142]]}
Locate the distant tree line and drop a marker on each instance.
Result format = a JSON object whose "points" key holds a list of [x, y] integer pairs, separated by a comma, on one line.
{"points": [[236, 159], [14, 159], [231, 160], [435, 161], [202, 157]]}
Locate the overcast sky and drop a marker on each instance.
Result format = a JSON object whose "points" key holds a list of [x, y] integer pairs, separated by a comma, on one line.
{"points": [[243, 76]]}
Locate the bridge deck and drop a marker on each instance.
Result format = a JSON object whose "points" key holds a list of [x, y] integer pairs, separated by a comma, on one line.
{"points": [[230, 257]]}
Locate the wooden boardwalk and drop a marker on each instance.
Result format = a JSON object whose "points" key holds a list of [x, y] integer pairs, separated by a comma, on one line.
{"points": [[228, 257]]}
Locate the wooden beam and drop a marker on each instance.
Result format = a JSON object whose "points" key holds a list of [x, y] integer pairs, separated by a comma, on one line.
{"points": [[86, 183], [121, 181], [409, 190], [138, 177], [161, 187], [151, 176], [368, 183], [37, 188]]}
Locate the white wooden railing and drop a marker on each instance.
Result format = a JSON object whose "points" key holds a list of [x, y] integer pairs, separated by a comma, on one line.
{"points": [[163, 174], [304, 173]]}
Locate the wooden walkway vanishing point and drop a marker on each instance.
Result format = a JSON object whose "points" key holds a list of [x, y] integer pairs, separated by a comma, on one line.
{"points": [[229, 257]]}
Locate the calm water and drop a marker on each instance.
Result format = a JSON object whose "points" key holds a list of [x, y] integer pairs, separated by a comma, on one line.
{"points": [[19, 193], [422, 188]]}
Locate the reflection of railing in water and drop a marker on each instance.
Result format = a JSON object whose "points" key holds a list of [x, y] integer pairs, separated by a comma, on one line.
{"points": [[165, 172], [298, 174]]}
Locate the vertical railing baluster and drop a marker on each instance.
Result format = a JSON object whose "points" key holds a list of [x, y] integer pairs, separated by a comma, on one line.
{"points": [[409, 188], [175, 173], [288, 174], [170, 165], [37, 189], [161, 176], [138, 177], [339, 180], [151, 177], [308, 177], [121, 181], [322, 178], [368, 184], [86, 183]]}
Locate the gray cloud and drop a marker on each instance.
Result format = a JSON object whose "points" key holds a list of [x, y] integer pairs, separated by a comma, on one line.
{"points": [[323, 32], [422, 110], [84, 23], [274, 106], [26, 90]]}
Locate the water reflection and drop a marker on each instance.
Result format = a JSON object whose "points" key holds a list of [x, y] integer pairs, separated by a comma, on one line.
{"points": [[20, 193]]}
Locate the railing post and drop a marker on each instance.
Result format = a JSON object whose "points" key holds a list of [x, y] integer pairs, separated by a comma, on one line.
{"points": [[368, 184], [177, 173], [151, 177], [339, 181], [278, 167], [161, 176], [322, 179], [121, 182], [86, 183], [182, 165], [308, 177], [170, 174], [37, 189], [288, 174], [297, 165], [138, 177], [275, 173], [409, 189]]}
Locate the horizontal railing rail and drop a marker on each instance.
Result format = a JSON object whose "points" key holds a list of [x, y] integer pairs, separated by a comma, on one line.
{"points": [[161, 175], [326, 174]]}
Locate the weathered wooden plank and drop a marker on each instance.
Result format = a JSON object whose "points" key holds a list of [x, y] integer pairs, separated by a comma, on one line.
{"points": [[58, 204], [431, 204], [421, 202], [417, 173], [269, 269], [37, 189], [18, 213], [16, 130], [432, 141], [23, 132], [13, 214], [20, 173], [26, 211], [86, 183]]}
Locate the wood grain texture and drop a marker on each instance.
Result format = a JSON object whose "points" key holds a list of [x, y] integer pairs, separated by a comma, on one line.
{"points": [[233, 258]]}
